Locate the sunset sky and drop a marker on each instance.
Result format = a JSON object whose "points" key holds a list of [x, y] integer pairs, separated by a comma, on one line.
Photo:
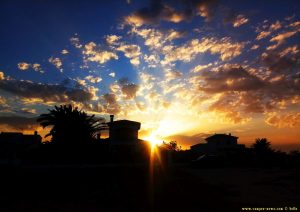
{"points": [[185, 69]]}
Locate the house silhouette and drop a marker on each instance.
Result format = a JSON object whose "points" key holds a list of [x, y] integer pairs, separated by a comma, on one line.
{"points": [[20, 138], [14, 143], [123, 136], [218, 144]]}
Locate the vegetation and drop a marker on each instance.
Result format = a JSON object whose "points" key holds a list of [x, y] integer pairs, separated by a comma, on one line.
{"points": [[70, 125], [261, 146]]}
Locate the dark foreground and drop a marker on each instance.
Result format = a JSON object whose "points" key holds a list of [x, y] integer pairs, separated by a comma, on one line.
{"points": [[134, 188]]}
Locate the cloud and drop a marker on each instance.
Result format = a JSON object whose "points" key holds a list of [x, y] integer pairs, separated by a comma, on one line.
{"points": [[199, 68], [64, 51], [152, 60], [56, 62], [76, 42], [92, 79], [271, 28], [155, 39], [187, 52], [280, 39], [129, 90], [4, 105], [80, 82], [153, 14], [23, 66], [240, 20], [131, 51], [27, 110], [18, 123], [95, 54], [111, 105], [229, 78], [112, 39], [289, 50], [295, 24], [284, 120], [254, 47], [2, 100], [37, 67], [172, 74], [45, 92], [112, 74], [2, 75]]}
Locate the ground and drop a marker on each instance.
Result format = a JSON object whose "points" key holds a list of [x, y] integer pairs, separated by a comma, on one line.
{"points": [[134, 188]]}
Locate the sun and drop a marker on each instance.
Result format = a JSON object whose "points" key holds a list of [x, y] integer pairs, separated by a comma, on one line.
{"points": [[154, 139]]}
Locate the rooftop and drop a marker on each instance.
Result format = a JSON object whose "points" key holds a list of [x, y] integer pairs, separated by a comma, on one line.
{"points": [[220, 136]]}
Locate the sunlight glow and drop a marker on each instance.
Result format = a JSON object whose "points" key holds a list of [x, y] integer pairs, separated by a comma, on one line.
{"points": [[154, 139]]}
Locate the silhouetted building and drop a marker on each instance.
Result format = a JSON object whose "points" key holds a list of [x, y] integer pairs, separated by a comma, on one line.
{"points": [[123, 136], [20, 138], [13, 143], [218, 143]]}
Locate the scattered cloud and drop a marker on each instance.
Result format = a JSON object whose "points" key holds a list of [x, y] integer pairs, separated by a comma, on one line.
{"points": [[76, 42], [280, 39], [37, 67], [187, 52], [112, 39], [92, 79], [28, 110], [94, 53], [56, 62], [2, 75], [199, 68], [45, 92], [111, 105], [23, 66], [64, 51], [240, 20], [268, 30], [283, 120], [153, 14], [131, 51], [18, 123], [112, 74]]}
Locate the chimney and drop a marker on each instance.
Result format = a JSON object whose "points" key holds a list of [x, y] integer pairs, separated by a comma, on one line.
{"points": [[229, 134], [35, 133], [111, 118]]}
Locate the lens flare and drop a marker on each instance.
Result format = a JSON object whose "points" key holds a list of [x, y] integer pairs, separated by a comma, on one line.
{"points": [[154, 139]]}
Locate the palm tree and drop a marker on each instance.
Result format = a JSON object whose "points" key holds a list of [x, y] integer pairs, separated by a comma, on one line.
{"points": [[262, 145], [70, 125]]}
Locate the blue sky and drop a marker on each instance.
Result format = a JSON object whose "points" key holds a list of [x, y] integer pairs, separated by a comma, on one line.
{"points": [[183, 68]]}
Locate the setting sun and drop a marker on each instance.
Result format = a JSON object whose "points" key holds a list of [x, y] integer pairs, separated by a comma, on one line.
{"points": [[154, 139]]}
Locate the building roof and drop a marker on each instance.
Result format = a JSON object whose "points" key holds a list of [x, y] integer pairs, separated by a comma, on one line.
{"points": [[125, 124], [220, 136]]}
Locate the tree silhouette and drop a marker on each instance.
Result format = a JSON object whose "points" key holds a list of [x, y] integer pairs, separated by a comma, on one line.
{"points": [[70, 125], [172, 145], [262, 145]]}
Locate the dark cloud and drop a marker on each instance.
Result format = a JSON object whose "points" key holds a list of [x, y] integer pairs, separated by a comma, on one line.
{"points": [[152, 14], [46, 92], [186, 9], [204, 8], [128, 89], [274, 85], [229, 78], [279, 63], [110, 104], [18, 123]]}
